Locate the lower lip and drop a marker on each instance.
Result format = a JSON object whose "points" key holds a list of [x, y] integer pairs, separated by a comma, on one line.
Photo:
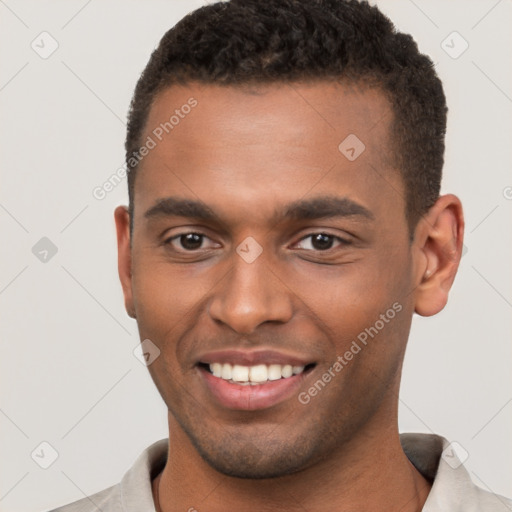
{"points": [[251, 397]]}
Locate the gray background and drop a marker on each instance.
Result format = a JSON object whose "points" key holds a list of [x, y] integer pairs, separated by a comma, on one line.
{"points": [[68, 373]]}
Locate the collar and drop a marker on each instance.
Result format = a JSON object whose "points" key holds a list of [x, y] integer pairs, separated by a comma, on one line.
{"points": [[432, 455]]}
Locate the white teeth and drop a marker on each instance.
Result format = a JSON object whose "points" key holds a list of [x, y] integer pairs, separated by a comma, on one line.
{"points": [[286, 371], [216, 369], [297, 369], [226, 371], [240, 373], [274, 372], [257, 374]]}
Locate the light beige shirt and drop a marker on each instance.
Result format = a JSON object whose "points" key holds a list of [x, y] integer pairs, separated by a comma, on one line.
{"points": [[432, 455]]}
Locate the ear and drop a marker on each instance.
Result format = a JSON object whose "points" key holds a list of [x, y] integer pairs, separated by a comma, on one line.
{"points": [[124, 256], [437, 250]]}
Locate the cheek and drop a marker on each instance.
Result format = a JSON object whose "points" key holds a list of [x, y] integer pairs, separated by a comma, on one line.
{"points": [[362, 301], [342, 295], [165, 297]]}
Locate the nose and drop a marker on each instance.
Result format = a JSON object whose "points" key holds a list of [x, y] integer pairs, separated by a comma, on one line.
{"points": [[250, 295]]}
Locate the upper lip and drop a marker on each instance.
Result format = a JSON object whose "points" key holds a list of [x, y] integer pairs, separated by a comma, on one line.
{"points": [[252, 358]]}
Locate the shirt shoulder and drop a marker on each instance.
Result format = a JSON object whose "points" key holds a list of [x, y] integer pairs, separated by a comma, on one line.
{"points": [[452, 487], [134, 492], [490, 502], [108, 500]]}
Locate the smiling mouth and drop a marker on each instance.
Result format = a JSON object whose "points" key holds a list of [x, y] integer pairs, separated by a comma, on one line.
{"points": [[256, 374]]}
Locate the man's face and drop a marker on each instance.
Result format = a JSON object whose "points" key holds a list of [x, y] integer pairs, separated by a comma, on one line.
{"points": [[272, 277]]}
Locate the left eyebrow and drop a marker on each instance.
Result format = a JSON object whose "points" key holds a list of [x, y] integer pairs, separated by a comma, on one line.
{"points": [[325, 207]]}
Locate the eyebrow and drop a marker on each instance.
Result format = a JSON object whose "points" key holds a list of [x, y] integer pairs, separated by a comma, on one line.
{"points": [[326, 207], [175, 207], [304, 209]]}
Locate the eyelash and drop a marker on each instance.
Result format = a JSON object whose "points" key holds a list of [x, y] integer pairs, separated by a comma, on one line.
{"points": [[341, 241]]}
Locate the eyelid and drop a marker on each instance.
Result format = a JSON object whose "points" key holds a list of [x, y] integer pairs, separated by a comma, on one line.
{"points": [[177, 231], [343, 241], [169, 239]]}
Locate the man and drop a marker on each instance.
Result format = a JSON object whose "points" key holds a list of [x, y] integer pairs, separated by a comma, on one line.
{"points": [[284, 225]]}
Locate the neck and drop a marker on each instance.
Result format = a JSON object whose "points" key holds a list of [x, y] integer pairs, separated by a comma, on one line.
{"points": [[371, 472]]}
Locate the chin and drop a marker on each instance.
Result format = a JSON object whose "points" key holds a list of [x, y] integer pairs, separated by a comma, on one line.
{"points": [[249, 464], [248, 460]]}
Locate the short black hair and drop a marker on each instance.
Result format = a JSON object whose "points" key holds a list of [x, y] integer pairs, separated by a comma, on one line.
{"points": [[243, 42]]}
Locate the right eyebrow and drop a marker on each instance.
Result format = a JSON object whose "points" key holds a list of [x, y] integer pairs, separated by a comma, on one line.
{"points": [[173, 206]]}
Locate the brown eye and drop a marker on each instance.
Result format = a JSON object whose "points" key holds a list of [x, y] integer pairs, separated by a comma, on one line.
{"points": [[191, 241], [187, 242], [321, 242]]}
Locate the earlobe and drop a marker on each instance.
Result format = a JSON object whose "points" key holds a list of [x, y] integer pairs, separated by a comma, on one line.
{"points": [[438, 249], [124, 257]]}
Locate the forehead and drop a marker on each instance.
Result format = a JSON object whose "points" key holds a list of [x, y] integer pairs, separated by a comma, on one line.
{"points": [[253, 112], [225, 143]]}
